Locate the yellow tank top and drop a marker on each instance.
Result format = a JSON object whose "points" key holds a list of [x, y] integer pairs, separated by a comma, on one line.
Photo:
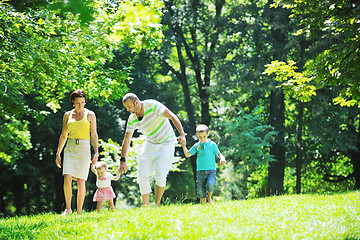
{"points": [[79, 129]]}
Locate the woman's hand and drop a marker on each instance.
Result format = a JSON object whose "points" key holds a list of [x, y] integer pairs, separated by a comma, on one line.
{"points": [[58, 161], [95, 158]]}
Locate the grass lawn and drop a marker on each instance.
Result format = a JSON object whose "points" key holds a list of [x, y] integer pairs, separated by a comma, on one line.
{"points": [[334, 216]]}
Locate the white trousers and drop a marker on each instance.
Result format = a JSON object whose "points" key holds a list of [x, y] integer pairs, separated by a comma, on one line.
{"points": [[156, 158]]}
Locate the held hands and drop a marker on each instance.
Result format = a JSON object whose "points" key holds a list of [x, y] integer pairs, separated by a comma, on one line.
{"points": [[123, 167], [95, 158], [182, 140]]}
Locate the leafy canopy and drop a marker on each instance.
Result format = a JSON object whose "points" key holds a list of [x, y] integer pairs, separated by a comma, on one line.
{"points": [[336, 22], [49, 52]]}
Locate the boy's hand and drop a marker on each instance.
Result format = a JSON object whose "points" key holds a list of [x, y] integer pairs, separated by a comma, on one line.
{"points": [[222, 162]]}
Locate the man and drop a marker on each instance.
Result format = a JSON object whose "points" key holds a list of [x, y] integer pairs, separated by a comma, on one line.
{"points": [[151, 118]]}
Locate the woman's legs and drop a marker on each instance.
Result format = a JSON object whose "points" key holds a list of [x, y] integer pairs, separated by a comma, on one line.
{"points": [[80, 195], [68, 191]]}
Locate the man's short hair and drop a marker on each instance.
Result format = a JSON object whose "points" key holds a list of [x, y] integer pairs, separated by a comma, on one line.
{"points": [[130, 96], [202, 128]]}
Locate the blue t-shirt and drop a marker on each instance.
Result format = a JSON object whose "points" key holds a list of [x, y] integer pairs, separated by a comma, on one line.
{"points": [[206, 153]]}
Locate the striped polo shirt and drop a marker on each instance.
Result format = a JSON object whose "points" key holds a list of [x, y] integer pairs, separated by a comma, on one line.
{"points": [[153, 125]]}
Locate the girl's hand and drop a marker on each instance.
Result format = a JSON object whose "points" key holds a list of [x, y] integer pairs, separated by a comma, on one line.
{"points": [[58, 161]]}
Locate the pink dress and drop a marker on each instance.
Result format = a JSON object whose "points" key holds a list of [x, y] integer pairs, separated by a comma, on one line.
{"points": [[104, 191]]}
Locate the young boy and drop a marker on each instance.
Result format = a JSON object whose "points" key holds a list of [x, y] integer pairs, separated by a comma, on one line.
{"points": [[206, 170]]}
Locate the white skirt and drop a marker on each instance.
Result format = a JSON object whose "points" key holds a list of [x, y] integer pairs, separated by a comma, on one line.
{"points": [[77, 158]]}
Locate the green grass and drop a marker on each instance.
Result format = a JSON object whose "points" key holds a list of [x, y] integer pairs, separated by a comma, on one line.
{"points": [[334, 216]]}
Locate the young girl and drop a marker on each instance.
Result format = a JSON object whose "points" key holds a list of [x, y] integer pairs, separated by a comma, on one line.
{"points": [[103, 182]]}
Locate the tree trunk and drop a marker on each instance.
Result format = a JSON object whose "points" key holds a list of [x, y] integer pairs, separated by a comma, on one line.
{"points": [[278, 18], [355, 160], [199, 54], [299, 147], [276, 168]]}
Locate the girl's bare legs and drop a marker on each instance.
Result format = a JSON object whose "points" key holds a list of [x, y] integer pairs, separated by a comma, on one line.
{"points": [[80, 195], [67, 193], [98, 206], [209, 199], [111, 204]]}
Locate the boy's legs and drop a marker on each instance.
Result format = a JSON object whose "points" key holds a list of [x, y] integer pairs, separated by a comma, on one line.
{"points": [[200, 186], [98, 206], [209, 199], [210, 185]]}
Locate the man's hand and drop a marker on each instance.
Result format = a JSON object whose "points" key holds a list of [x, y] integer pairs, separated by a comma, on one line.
{"points": [[123, 167], [182, 140]]}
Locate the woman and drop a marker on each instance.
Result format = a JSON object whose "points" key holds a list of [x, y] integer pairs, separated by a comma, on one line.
{"points": [[79, 125]]}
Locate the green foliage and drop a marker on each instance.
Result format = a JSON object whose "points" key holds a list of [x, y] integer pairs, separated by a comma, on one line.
{"points": [[258, 183], [295, 84], [337, 65], [286, 217], [48, 52], [138, 24], [16, 141], [248, 138], [316, 171], [232, 182], [50, 55], [245, 142]]}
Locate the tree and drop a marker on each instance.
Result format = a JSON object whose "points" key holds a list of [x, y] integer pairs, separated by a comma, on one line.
{"points": [[48, 51], [220, 41], [338, 64], [249, 140]]}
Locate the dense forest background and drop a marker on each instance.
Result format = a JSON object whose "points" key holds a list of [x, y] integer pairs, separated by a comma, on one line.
{"points": [[276, 81]]}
